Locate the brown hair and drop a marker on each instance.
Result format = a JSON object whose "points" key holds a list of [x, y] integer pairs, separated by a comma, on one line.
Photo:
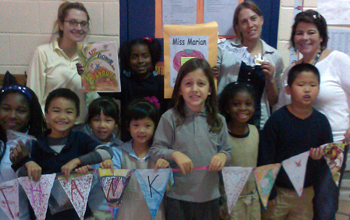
{"points": [[246, 4], [63, 12], [311, 17], [211, 102]]}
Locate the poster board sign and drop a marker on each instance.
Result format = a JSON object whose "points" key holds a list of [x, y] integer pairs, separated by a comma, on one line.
{"points": [[180, 41], [101, 66]]}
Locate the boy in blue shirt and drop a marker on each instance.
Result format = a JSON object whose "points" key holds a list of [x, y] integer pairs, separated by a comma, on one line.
{"points": [[292, 130]]}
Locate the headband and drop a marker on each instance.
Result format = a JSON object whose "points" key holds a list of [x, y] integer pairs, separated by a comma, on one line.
{"points": [[24, 90]]}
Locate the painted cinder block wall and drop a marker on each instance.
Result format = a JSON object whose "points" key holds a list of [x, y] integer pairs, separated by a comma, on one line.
{"points": [[26, 24]]}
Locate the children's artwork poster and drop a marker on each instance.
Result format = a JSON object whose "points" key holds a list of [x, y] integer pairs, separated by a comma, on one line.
{"points": [[295, 168], [9, 203], [265, 177], [334, 155], [38, 193], [153, 184], [113, 186], [101, 66], [77, 189], [235, 179], [183, 42]]}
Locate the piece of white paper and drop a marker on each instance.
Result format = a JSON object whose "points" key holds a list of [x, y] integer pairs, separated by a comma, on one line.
{"points": [[179, 12], [335, 11], [339, 39], [222, 12]]}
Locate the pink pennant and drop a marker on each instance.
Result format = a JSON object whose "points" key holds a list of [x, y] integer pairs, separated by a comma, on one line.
{"points": [[77, 189], [38, 193], [9, 199]]}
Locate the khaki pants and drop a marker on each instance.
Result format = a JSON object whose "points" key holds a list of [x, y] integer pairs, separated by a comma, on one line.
{"points": [[291, 206], [101, 215], [247, 207]]}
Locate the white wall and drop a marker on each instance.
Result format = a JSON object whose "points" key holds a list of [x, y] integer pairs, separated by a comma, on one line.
{"points": [[26, 24]]}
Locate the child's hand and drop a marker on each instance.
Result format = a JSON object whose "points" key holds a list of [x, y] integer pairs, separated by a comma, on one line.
{"points": [[68, 167], [184, 162], [161, 163], [316, 153], [217, 162], [107, 164], [18, 153], [83, 170], [33, 170]]}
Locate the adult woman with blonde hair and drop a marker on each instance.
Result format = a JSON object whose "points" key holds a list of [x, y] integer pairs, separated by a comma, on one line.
{"points": [[54, 65], [247, 23]]}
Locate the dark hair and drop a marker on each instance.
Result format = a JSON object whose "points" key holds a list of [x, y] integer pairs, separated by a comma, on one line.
{"points": [[246, 4], [63, 12], [229, 93], [311, 17], [140, 109], [299, 68], [211, 102], [105, 104], [153, 45], [63, 93], [37, 123]]}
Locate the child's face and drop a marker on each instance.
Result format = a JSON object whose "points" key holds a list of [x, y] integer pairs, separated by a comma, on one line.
{"points": [[61, 116], [14, 112], [142, 130], [195, 89], [241, 108], [103, 127], [304, 89], [141, 60]]}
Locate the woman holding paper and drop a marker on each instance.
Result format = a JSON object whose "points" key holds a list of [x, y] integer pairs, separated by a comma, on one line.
{"points": [[54, 65], [235, 61]]}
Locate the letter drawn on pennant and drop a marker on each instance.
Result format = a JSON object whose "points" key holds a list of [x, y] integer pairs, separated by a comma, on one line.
{"points": [[75, 187], [7, 203], [115, 189], [36, 190], [151, 187]]}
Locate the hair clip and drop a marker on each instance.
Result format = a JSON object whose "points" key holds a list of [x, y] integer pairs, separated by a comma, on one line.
{"points": [[21, 89], [153, 100], [148, 39]]}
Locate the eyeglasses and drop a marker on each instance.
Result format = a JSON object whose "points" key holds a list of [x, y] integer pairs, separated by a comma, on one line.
{"points": [[74, 23]]}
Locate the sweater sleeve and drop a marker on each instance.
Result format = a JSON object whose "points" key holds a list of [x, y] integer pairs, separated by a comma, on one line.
{"points": [[163, 139], [224, 143]]}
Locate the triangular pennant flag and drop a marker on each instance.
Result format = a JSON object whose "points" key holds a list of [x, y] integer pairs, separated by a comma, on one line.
{"points": [[113, 186], [9, 199], [265, 177], [295, 168], [334, 155], [235, 179], [38, 193], [77, 189], [153, 186]]}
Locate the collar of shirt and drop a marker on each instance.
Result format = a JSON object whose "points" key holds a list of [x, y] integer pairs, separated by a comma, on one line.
{"points": [[265, 47], [189, 112], [127, 146], [57, 48]]}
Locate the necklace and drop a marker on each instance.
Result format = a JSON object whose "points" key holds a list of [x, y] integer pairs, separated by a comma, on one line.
{"points": [[316, 58]]}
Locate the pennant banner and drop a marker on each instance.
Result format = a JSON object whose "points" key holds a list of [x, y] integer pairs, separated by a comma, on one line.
{"points": [[265, 177], [77, 189], [38, 193], [9, 199], [334, 155], [113, 186], [235, 179], [295, 168], [153, 186]]}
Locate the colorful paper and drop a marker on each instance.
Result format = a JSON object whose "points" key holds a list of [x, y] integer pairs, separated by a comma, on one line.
{"points": [[265, 177], [77, 189], [153, 186], [9, 199], [113, 186], [38, 193], [101, 66], [334, 155], [295, 168], [235, 179]]}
